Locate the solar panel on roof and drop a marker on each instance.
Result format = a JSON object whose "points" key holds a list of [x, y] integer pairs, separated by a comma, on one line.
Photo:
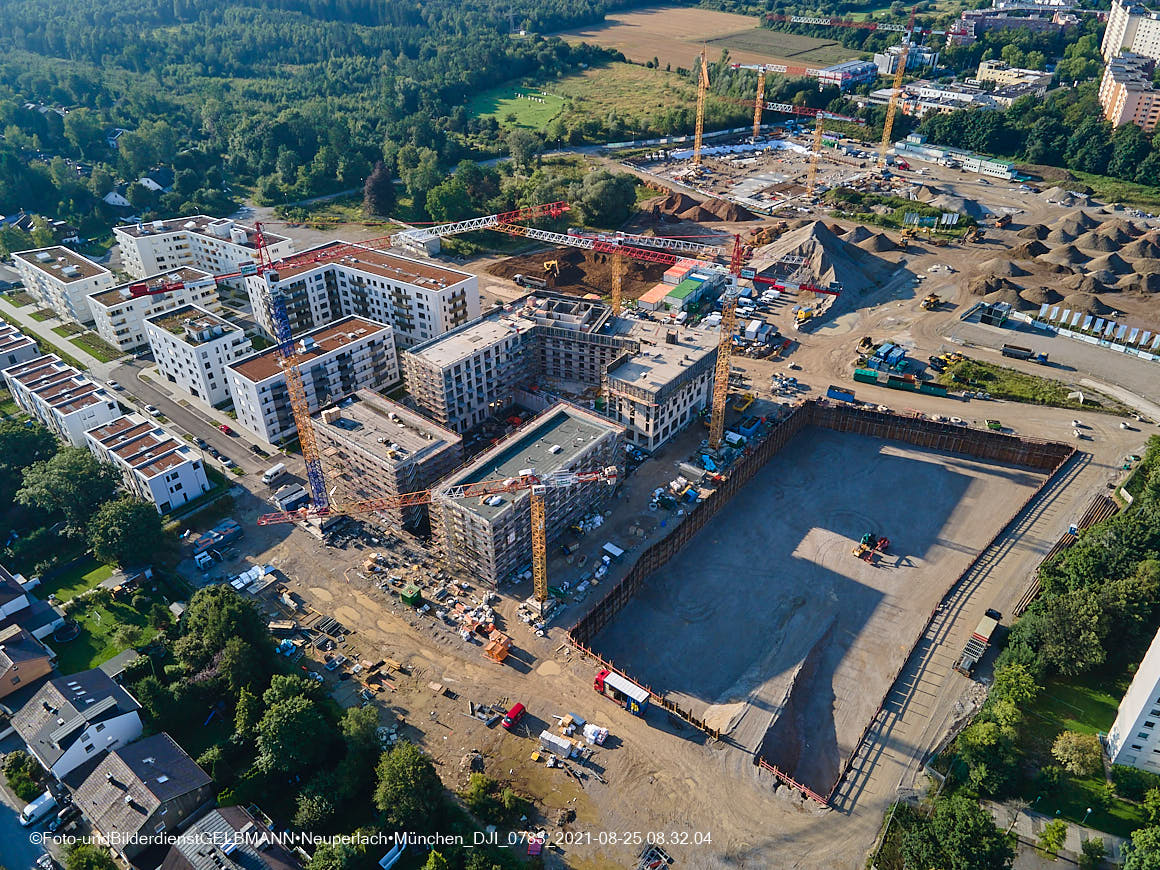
{"points": [[1156, 342], [1099, 324], [1132, 336], [1144, 338], [1121, 332]]}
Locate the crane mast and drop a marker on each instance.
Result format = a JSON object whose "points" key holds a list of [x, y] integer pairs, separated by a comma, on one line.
{"points": [[725, 349], [702, 88]]}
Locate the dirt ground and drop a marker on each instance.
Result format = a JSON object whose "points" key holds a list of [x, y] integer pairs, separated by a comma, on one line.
{"points": [[821, 632], [581, 272]]}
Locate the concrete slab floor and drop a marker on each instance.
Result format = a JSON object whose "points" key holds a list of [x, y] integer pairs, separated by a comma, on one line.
{"points": [[769, 628]]}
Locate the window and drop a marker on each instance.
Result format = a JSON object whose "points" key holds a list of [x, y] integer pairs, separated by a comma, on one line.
{"points": [[1149, 724], [100, 727], [1143, 735]]}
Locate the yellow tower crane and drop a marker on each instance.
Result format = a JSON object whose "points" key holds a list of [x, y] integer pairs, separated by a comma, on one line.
{"points": [[815, 155], [760, 104], [725, 348], [702, 88], [618, 269], [895, 95]]}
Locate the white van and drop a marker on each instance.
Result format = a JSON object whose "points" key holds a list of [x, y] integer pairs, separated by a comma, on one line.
{"points": [[273, 473], [38, 809]]}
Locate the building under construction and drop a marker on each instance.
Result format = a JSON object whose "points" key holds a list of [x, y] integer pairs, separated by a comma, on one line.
{"points": [[376, 448], [657, 378], [489, 537]]}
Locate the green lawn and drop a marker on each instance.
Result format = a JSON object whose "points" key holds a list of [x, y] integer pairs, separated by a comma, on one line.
{"points": [[42, 314], [45, 345], [105, 632], [1086, 704], [1017, 386], [81, 577], [67, 329], [8, 408], [94, 345], [21, 298], [1114, 190], [533, 111]]}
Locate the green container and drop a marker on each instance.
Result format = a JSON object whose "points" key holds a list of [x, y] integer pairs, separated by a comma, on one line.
{"points": [[411, 595]]}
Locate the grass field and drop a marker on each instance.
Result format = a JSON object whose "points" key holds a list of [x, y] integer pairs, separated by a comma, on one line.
{"points": [[8, 408], [94, 345], [529, 108], [42, 314], [1017, 386], [45, 345], [105, 632], [1113, 190], [22, 298], [81, 577], [674, 35], [67, 329]]}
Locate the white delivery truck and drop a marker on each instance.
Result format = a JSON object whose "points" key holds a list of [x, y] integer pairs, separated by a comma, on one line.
{"points": [[274, 473], [38, 809]]}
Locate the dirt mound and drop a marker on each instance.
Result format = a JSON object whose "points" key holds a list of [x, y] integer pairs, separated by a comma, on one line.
{"points": [[1149, 283], [985, 285], [1041, 295], [1082, 284], [856, 235], [830, 258], [1036, 231], [926, 192], [876, 243], [1061, 236], [1119, 230], [1057, 268], [1113, 263], [1146, 267], [1003, 267], [582, 272], [673, 204], [1093, 241], [1141, 249], [1011, 297], [698, 214], [728, 211], [1029, 250], [1068, 255], [1079, 218], [1086, 303]]}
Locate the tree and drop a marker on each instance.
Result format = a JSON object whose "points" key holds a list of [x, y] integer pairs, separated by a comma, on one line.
{"points": [[523, 147], [216, 614], [83, 856], [72, 483], [337, 855], [606, 198], [379, 191], [140, 196], [41, 232], [1052, 838], [419, 170], [314, 812], [248, 712], [409, 791], [126, 531], [1091, 853], [1079, 754], [292, 737], [238, 666], [436, 861], [283, 687], [957, 834], [20, 447], [449, 201], [1152, 805], [1143, 851]]}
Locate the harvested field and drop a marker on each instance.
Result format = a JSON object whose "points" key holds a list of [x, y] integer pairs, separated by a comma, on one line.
{"points": [[674, 35], [582, 272], [766, 626]]}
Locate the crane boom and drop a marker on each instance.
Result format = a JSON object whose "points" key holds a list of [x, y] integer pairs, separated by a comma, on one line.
{"points": [[895, 94], [759, 103], [662, 242], [702, 88], [725, 351], [423, 234], [815, 155], [539, 544]]}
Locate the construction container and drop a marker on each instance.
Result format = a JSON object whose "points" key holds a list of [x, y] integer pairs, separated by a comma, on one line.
{"points": [[839, 394], [411, 595], [623, 691], [498, 646]]}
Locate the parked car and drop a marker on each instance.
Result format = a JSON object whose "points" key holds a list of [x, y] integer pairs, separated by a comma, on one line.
{"points": [[227, 462], [201, 443], [113, 385], [213, 452], [514, 715], [258, 451], [224, 428], [150, 409]]}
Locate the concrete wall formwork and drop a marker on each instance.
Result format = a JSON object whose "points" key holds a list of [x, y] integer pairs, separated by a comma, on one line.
{"points": [[1034, 454]]}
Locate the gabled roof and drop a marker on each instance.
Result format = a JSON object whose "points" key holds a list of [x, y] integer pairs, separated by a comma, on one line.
{"points": [[57, 714], [17, 646], [196, 849], [134, 781]]}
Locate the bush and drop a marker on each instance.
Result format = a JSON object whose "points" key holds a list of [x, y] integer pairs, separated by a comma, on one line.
{"points": [[23, 774], [1132, 783]]}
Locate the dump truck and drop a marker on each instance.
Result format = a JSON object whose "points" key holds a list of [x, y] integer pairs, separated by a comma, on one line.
{"points": [[1016, 352], [931, 302], [977, 644], [622, 690], [1002, 220]]}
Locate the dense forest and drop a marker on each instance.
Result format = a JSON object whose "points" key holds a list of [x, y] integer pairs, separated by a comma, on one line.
{"points": [[294, 97]]}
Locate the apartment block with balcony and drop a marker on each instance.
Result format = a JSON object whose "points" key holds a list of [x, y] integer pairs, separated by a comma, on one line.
{"points": [[379, 448], [219, 246], [1126, 93], [120, 316], [1132, 29], [420, 300], [62, 280], [335, 361], [193, 347], [66, 401], [155, 465], [15, 346], [488, 538]]}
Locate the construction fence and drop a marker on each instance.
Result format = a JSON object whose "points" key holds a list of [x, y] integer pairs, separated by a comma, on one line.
{"points": [[1032, 453]]}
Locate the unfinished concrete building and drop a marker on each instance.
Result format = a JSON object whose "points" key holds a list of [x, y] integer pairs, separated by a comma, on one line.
{"points": [[376, 448], [489, 538]]}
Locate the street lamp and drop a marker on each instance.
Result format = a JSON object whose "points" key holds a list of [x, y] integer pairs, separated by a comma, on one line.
{"points": [[1085, 815]]}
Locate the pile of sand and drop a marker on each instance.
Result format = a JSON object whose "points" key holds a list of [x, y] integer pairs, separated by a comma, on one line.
{"points": [[673, 204], [1067, 255], [876, 243], [1061, 236], [1002, 267], [1041, 295], [1011, 297], [1085, 303], [959, 204], [830, 258], [1078, 218], [1093, 241], [1142, 249], [926, 192], [1029, 250], [1036, 231], [858, 234], [698, 214], [728, 211], [1113, 263], [985, 285], [1082, 284]]}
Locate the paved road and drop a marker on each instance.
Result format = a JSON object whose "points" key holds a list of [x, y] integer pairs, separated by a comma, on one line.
{"points": [[17, 851]]}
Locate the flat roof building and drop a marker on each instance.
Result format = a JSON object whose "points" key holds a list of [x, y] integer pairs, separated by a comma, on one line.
{"points": [[377, 448], [66, 401], [1002, 73], [15, 346], [155, 465], [1134, 738], [62, 280], [1132, 28], [219, 246], [489, 538], [420, 300], [120, 316], [192, 348], [1126, 93], [334, 361]]}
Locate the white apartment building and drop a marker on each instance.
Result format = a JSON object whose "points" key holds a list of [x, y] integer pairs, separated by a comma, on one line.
{"points": [[120, 316], [1131, 28], [334, 361], [419, 300], [62, 280], [658, 392], [1132, 739], [1004, 74], [192, 348], [1126, 93], [60, 397], [219, 246], [155, 466], [15, 346]]}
